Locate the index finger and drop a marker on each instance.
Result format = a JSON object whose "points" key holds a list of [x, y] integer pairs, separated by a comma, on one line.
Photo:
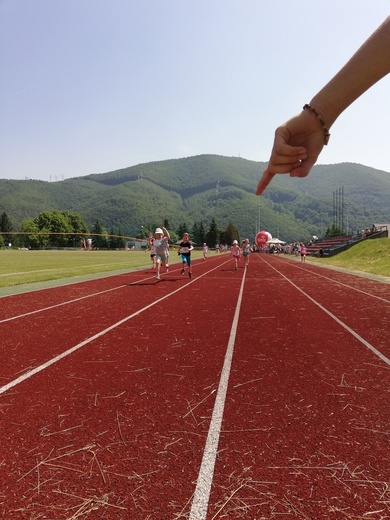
{"points": [[266, 178]]}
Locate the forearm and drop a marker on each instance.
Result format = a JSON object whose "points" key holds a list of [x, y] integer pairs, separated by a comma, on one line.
{"points": [[367, 66], [166, 233]]}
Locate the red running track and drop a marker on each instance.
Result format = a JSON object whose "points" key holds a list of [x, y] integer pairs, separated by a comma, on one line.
{"points": [[256, 394]]}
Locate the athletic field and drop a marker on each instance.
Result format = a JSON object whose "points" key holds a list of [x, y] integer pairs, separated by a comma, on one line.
{"points": [[256, 394]]}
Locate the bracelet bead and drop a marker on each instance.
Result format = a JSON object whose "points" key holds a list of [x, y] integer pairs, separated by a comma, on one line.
{"points": [[314, 111]]}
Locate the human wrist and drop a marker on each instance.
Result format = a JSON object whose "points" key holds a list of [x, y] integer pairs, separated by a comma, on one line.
{"points": [[328, 109], [318, 115]]}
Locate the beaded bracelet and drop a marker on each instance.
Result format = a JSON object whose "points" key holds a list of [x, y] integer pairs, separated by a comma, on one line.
{"points": [[314, 111]]}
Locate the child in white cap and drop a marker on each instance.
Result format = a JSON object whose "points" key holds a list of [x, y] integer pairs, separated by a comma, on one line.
{"points": [[246, 249], [236, 253], [161, 245]]}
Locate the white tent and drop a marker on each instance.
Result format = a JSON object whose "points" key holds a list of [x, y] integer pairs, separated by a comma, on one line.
{"points": [[276, 241]]}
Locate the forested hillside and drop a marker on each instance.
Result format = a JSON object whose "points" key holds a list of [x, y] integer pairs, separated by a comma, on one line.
{"points": [[203, 187]]}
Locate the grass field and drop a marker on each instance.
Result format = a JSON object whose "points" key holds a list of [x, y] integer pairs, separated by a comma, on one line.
{"points": [[24, 267], [370, 256]]}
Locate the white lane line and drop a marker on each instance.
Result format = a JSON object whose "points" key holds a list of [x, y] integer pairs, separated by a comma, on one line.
{"points": [[351, 331], [205, 477], [43, 309], [39, 368], [337, 281], [13, 274]]}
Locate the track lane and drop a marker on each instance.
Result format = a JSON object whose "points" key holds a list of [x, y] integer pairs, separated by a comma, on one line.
{"points": [[362, 306], [14, 306], [310, 407], [51, 330], [128, 403], [361, 283]]}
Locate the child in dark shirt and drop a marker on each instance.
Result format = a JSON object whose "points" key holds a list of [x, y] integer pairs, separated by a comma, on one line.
{"points": [[185, 251]]}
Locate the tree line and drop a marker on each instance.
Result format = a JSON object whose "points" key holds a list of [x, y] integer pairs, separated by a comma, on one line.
{"points": [[199, 232], [66, 229]]}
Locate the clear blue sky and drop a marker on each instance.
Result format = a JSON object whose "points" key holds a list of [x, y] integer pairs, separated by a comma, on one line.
{"points": [[90, 86]]}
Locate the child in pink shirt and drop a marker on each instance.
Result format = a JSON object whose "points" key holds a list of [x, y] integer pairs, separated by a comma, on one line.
{"points": [[303, 253]]}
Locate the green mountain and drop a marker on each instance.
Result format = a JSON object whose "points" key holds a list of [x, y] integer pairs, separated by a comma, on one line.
{"points": [[204, 187]]}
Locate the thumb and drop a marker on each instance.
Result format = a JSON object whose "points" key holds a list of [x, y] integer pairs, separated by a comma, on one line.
{"points": [[302, 169]]}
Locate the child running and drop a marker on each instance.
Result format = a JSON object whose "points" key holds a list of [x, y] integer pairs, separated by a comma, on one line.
{"points": [[246, 249], [205, 250], [303, 253], [152, 248], [236, 253], [185, 251], [161, 245]]}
